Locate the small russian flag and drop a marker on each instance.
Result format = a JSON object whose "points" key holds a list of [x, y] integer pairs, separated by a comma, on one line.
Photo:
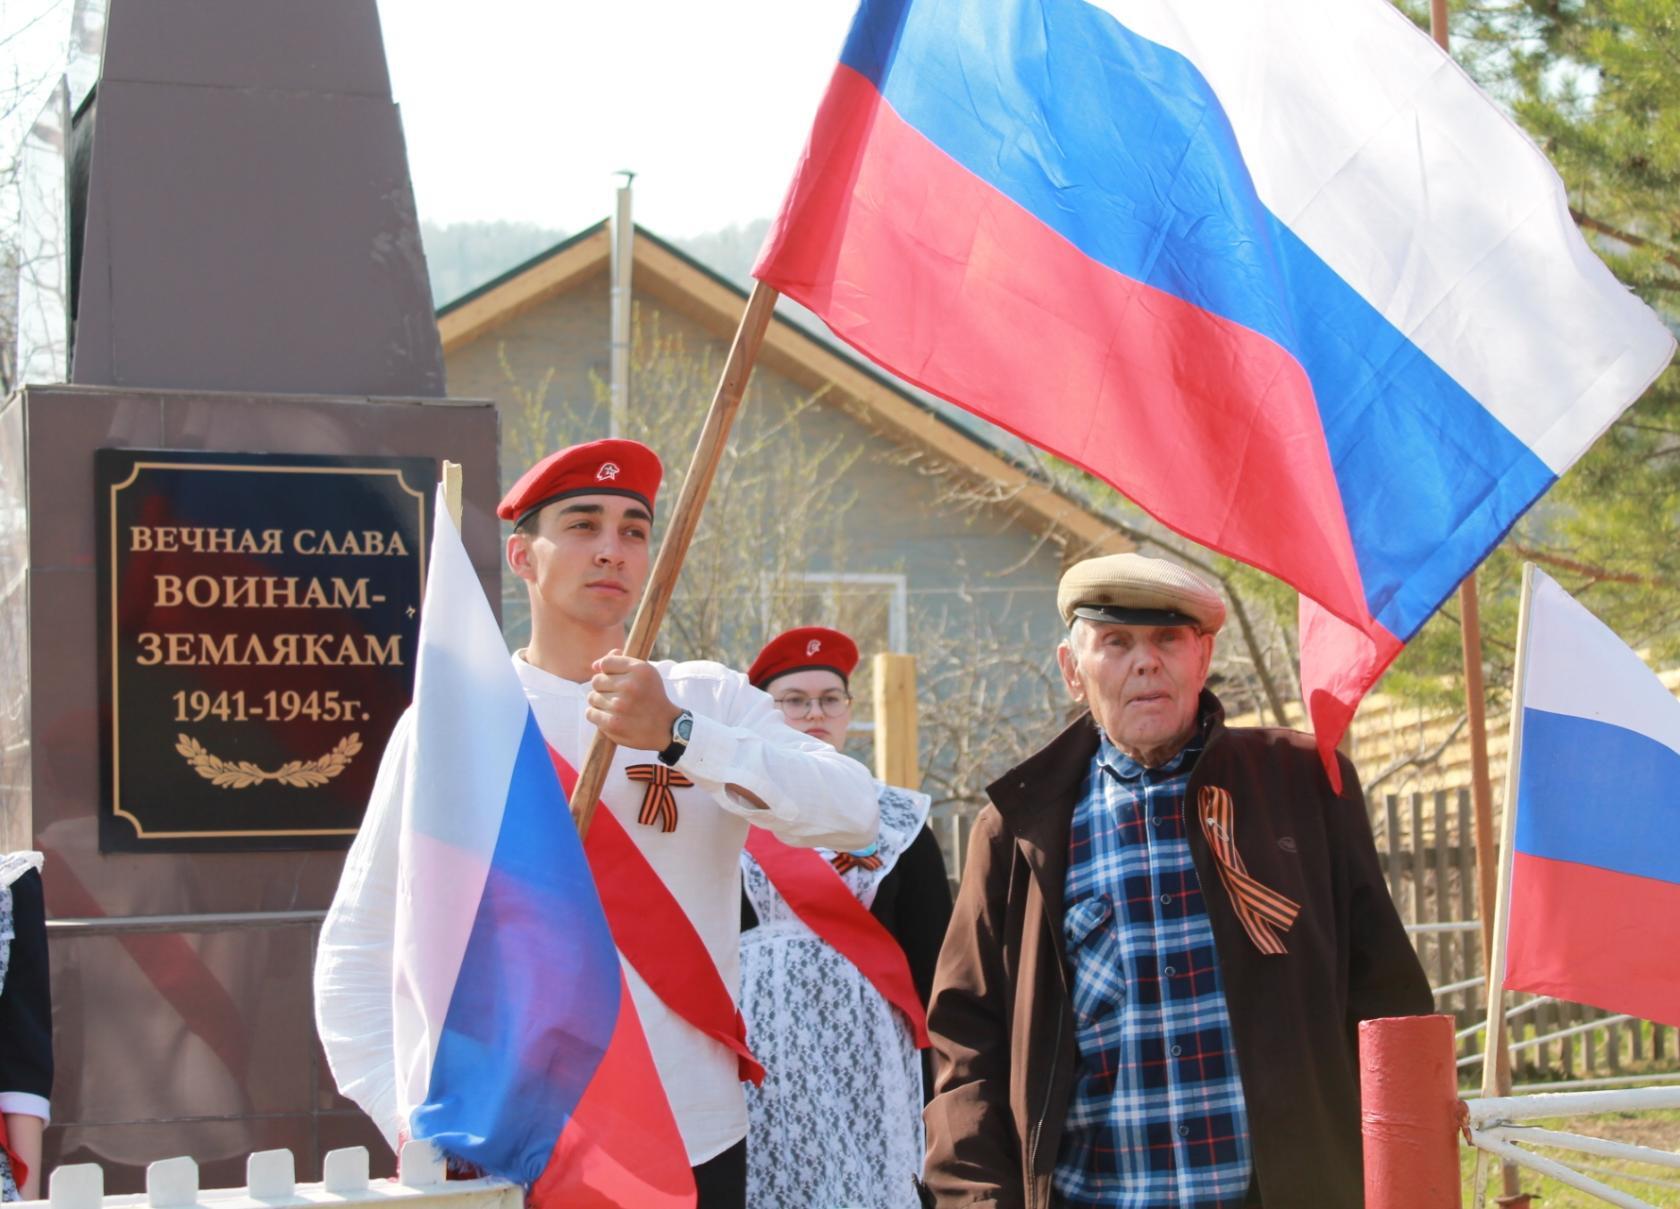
{"points": [[1595, 878], [518, 1047]]}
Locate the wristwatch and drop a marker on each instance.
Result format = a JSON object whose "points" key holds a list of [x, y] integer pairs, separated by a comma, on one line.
{"points": [[681, 729]]}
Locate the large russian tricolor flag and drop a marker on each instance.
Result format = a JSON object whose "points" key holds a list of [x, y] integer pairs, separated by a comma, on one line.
{"points": [[518, 1048], [1595, 878], [1277, 271]]}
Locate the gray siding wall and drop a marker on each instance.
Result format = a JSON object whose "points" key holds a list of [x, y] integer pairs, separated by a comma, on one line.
{"points": [[979, 584]]}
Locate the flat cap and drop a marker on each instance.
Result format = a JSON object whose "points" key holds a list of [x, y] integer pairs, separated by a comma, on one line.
{"points": [[1133, 590], [609, 467]]}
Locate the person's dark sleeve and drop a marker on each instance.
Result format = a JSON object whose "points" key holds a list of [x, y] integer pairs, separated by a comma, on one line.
{"points": [[913, 902], [918, 907], [26, 1061], [973, 1151], [1385, 977]]}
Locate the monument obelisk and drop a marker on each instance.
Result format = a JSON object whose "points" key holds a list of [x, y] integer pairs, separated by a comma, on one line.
{"points": [[215, 499]]}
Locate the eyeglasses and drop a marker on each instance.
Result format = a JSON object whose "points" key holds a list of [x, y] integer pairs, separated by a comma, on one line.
{"points": [[798, 705]]}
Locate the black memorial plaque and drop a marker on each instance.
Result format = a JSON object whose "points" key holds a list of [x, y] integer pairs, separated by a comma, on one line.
{"points": [[257, 623]]}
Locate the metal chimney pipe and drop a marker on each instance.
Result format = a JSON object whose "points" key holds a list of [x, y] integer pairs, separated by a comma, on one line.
{"points": [[623, 237]]}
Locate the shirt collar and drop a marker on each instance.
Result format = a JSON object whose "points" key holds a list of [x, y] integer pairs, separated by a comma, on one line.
{"points": [[535, 679], [1127, 769]]}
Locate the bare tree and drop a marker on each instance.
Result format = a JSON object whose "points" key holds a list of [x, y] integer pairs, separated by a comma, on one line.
{"points": [[32, 57], [49, 60], [1255, 669], [988, 695], [777, 505]]}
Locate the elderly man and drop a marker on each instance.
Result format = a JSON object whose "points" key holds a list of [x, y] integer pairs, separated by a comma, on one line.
{"points": [[1167, 934]]}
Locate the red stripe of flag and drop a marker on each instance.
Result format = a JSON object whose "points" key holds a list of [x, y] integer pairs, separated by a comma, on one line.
{"points": [[1588, 935], [621, 1146], [927, 269]]}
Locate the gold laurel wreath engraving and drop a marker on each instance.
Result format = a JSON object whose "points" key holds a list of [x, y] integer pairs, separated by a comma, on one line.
{"points": [[242, 774]]}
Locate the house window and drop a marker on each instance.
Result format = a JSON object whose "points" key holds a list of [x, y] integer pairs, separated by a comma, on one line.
{"points": [[872, 608]]}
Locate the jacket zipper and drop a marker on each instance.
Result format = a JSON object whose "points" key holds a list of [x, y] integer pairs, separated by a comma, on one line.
{"points": [[1050, 1088], [1038, 1125]]}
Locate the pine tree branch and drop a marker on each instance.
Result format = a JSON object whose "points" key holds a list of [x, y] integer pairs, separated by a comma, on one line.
{"points": [[1256, 656], [1595, 573], [1418, 758], [1587, 221]]}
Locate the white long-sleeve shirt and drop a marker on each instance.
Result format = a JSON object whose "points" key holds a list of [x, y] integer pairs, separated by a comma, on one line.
{"points": [[812, 796]]}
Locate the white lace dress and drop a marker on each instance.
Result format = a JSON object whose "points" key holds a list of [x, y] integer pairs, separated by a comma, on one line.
{"points": [[838, 1121]]}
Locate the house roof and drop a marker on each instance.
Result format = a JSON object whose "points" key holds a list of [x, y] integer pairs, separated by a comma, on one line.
{"points": [[812, 361]]}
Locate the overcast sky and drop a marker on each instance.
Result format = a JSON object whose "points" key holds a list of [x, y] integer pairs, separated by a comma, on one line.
{"points": [[524, 109]]}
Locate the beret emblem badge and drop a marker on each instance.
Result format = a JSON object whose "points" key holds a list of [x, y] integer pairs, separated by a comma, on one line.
{"points": [[607, 472], [812, 647]]}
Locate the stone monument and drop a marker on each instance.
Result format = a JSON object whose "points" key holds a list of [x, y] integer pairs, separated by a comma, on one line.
{"points": [[216, 494]]}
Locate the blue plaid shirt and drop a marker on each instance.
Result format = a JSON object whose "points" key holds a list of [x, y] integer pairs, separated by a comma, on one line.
{"points": [[1157, 1117]]}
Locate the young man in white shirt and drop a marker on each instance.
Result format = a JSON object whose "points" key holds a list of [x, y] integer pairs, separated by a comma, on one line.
{"points": [[701, 756]]}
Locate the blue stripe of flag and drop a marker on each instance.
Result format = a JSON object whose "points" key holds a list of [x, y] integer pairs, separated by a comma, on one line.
{"points": [[1121, 146], [537, 998], [1600, 795]]}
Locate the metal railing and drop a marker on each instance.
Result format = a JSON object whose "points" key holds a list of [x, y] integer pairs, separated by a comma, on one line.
{"points": [[1498, 1127]]}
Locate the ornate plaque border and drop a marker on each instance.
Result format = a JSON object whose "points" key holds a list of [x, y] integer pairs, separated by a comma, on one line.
{"points": [[221, 839]]}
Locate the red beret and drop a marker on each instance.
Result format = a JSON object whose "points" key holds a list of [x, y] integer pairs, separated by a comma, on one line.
{"points": [[610, 467], [809, 646]]}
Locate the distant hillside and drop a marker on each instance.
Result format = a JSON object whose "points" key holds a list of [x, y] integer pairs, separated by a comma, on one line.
{"points": [[464, 255], [730, 251]]}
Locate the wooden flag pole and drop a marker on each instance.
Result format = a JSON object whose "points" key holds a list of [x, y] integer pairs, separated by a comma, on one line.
{"points": [[1475, 704], [452, 492], [1475, 688], [1496, 865], [1495, 1081], [685, 519], [1481, 786], [1496, 1057], [1496, 1053]]}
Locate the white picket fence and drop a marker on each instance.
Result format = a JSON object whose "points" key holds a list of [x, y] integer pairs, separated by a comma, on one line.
{"points": [[270, 1179]]}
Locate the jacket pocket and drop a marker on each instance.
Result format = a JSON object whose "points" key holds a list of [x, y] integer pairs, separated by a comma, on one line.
{"points": [[1094, 954], [1083, 919]]}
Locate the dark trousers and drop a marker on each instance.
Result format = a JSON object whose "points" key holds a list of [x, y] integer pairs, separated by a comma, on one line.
{"points": [[722, 1181]]}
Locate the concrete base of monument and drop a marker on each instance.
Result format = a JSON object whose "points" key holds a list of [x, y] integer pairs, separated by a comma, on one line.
{"points": [[174, 647]]}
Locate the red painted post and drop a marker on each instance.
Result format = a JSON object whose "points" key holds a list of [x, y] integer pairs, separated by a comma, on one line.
{"points": [[1408, 1090]]}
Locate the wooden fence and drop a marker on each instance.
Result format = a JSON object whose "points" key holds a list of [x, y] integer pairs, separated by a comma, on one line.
{"points": [[1427, 845]]}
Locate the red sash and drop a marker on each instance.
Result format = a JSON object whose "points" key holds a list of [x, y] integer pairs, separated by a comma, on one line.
{"points": [[20, 1169], [818, 895], [655, 935]]}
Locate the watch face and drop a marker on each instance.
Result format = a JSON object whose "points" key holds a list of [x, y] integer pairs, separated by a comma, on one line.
{"points": [[684, 726]]}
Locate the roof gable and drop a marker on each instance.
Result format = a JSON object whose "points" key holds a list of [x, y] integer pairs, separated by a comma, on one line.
{"points": [[683, 283]]}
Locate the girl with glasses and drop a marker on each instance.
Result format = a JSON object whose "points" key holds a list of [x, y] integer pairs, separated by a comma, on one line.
{"points": [[837, 958]]}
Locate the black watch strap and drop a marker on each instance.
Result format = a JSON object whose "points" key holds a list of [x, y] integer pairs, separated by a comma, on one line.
{"points": [[681, 729]]}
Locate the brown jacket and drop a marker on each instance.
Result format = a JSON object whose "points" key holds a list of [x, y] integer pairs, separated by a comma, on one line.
{"points": [[1001, 1018]]}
